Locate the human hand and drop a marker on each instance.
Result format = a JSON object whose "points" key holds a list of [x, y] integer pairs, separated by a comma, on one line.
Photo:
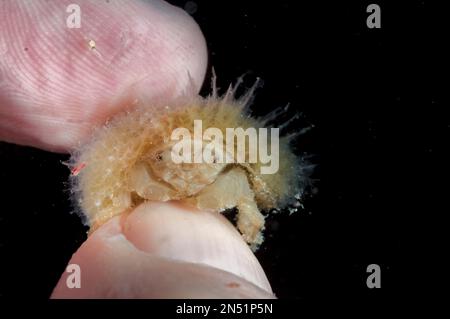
{"points": [[55, 87]]}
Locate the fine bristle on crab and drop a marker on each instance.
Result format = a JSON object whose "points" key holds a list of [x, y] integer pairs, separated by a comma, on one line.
{"points": [[129, 160]]}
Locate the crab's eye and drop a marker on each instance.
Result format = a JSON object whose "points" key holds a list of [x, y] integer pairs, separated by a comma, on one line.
{"points": [[159, 156]]}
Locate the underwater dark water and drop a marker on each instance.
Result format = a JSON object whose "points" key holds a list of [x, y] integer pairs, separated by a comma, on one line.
{"points": [[366, 94]]}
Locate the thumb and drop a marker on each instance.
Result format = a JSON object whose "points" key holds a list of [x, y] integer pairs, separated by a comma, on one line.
{"points": [[57, 83], [163, 250]]}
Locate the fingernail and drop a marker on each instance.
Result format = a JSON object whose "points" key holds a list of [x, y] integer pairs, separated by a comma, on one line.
{"points": [[177, 232]]}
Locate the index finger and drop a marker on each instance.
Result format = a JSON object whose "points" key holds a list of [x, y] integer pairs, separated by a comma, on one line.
{"points": [[58, 82]]}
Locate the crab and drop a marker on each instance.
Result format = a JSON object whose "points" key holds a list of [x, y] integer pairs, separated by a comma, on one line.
{"points": [[212, 186], [129, 161]]}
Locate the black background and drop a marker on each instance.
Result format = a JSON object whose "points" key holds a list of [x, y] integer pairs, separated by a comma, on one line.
{"points": [[378, 120]]}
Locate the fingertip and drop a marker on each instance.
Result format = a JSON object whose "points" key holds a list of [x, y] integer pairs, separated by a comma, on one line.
{"points": [[178, 232], [111, 266], [56, 87]]}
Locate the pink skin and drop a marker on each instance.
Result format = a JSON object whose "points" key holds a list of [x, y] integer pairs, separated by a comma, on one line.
{"points": [[161, 250], [54, 89]]}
